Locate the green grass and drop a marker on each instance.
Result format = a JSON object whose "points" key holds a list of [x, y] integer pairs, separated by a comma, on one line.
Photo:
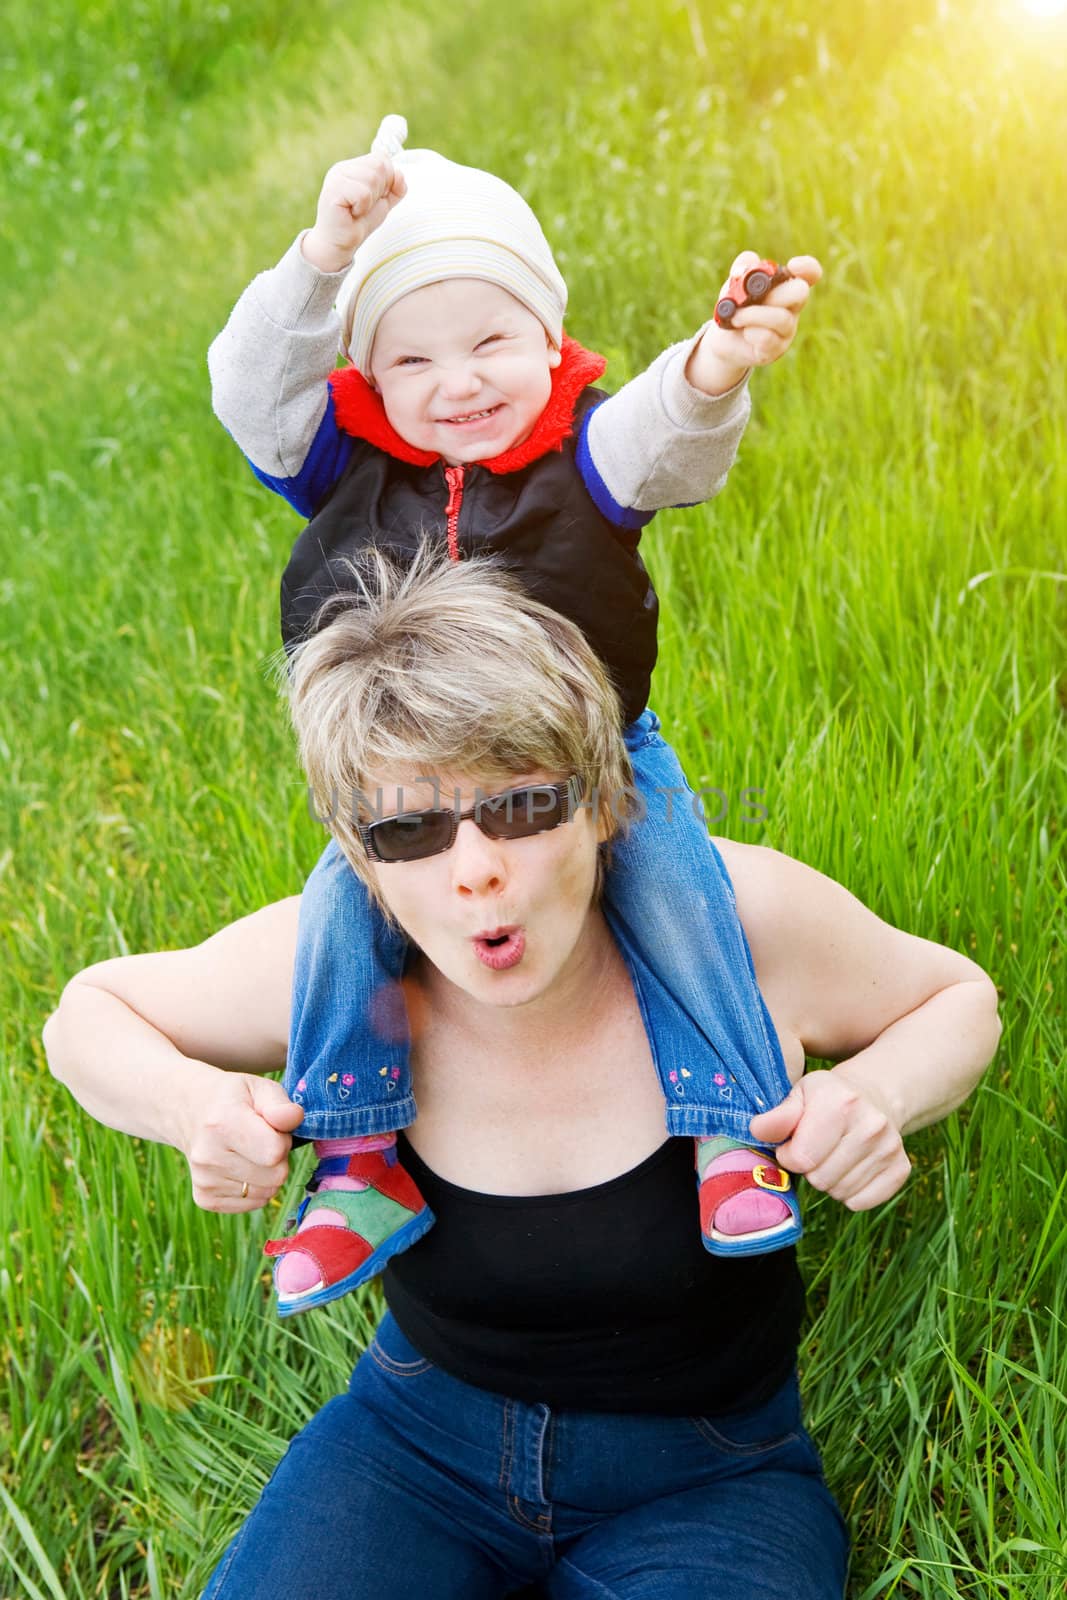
{"points": [[825, 639]]}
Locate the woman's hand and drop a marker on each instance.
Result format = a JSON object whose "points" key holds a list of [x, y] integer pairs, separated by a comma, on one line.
{"points": [[841, 1137], [356, 198], [758, 334], [239, 1133]]}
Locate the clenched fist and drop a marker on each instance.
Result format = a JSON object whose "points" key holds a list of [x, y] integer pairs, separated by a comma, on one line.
{"points": [[841, 1137], [356, 198], [240, 1134]]}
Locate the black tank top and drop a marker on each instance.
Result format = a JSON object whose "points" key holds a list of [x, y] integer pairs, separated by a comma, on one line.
{"points": [[603, 1299]]}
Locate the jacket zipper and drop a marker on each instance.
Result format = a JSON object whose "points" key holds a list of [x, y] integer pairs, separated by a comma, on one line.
{"points": [[454, 479]]}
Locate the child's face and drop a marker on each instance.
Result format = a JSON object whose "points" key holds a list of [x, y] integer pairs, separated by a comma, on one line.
{"points": [[447, 353]]}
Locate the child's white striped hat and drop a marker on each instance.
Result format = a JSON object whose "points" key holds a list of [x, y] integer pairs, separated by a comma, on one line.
{"points": [[453, 222]]}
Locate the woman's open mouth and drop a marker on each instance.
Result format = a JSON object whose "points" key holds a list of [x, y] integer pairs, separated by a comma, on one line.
{"points": [[471, 419], [500, 948]]}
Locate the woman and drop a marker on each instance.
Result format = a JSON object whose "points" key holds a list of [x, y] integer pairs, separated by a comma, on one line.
{"points": [[567, 1387]]}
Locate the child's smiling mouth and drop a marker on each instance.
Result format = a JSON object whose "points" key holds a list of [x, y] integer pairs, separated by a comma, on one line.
{"points": [[470, 418]]}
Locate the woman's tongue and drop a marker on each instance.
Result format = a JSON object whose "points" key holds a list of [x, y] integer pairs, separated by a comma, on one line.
{"points": [[502, 949]]}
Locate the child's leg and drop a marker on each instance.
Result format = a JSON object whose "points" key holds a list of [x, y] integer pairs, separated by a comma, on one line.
{"points": [[348, 1067], [348, 1038], [669, 899]]}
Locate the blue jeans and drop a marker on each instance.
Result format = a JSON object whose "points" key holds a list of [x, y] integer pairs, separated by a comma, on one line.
{"points": [[669, 903], [415, 1483]]}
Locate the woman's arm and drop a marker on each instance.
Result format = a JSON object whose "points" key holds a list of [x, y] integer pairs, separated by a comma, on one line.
{"points": [[911, 1024], [170, 1046]]}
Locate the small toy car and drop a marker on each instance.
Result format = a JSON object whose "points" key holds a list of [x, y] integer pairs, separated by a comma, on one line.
{"points": [[748, 289]]}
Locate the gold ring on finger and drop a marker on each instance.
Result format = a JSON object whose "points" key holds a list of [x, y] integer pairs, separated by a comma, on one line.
{"points": [[244, 1190]]}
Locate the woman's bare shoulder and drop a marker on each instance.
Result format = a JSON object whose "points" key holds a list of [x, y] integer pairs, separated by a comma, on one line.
{"points": [[829, 966]]}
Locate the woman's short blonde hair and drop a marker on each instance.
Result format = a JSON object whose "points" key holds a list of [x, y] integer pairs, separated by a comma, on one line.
{"points": [[449, 668]]}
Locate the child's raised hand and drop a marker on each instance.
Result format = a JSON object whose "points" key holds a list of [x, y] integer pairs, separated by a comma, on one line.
{"points": [[356, 197], [758, 334]]}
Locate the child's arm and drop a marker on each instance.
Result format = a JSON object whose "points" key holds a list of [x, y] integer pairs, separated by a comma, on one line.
{"points": [[270, 364], [669, 437]]}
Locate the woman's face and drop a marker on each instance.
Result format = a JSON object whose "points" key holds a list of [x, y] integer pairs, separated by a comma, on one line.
{"points": [[499, 918]]}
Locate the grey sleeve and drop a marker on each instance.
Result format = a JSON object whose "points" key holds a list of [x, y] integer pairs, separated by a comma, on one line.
{"points": [[661, 442], [270, 363]]}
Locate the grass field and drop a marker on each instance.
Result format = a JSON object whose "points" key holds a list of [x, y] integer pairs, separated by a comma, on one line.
{"points": [[868, 624]]}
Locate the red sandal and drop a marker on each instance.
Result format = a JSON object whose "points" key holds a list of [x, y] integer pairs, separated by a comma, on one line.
{"points": [[383, 1218], [718, 1187]]}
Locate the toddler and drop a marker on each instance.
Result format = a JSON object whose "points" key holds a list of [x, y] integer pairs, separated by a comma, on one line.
{"points": [[465, 413]]}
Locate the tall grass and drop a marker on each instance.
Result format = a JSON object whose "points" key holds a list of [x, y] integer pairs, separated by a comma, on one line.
{"points": [[868, 626]]}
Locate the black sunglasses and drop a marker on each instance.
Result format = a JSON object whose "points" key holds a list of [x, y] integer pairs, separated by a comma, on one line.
{"points": [[515, 814]]}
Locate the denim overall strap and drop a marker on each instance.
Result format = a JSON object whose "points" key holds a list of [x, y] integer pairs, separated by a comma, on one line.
{"points": [[670, 904]]}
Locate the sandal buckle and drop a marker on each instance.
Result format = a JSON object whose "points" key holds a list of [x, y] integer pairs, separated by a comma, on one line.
{"points": [[762, 1181]]}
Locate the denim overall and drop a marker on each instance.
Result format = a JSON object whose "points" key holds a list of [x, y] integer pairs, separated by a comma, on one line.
{"points": [[667, 899]]}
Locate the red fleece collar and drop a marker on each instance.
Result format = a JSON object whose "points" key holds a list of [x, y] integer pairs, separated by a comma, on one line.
{"points": [[359, 411]]}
